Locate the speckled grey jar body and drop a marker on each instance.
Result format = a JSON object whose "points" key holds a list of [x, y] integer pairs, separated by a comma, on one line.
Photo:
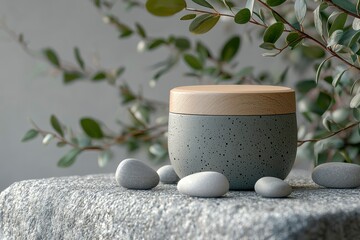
{"points": [[243, 148]]}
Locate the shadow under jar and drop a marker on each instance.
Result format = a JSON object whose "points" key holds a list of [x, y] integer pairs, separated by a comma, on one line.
{"points": [[243, 131]]}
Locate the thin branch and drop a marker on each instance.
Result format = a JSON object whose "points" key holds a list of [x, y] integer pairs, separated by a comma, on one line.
{"points": [[301, 142]]}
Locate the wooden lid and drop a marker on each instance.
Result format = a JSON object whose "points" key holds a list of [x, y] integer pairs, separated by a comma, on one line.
{"points": [[232, 100]]}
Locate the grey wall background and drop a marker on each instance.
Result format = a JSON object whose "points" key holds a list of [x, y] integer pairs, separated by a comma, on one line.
{"points": [[28, 90]]}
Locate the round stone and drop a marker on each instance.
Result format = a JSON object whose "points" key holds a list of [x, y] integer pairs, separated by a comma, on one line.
{"points": [[337, 175], [271, 187], [168, 175], [204, 184], [134, 174]]}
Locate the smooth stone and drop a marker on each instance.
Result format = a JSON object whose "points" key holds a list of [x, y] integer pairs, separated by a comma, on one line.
{"points": [[168, 175], [271, 187], [204, 184], [337, 175], [134, 174]]}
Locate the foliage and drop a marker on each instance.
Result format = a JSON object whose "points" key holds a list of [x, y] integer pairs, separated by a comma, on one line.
{"points": [[324, 34]]}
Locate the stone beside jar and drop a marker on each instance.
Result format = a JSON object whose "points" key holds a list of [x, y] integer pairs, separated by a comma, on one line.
{"points": [[245, 132]]}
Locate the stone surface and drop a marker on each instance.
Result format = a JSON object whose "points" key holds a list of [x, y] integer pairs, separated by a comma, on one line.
{"points": [[168, 175], [135, 174], [337, 175], [204, 184], [272, 187], [91, 207]]}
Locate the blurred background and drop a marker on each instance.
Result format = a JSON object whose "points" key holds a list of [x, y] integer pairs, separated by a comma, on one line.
{"points": [[30, 90]]}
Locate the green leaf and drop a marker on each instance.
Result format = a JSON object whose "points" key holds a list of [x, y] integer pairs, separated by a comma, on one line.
{"points": [[69, 159], [338, 77], [300, 10], [51, 56], [305, 86], [345, 4], [318, 18], [273, 33], [182, 43], [243, 16], [91, 128], [267, 46], [56, 125], [31, 134], [274, 3], [338, 23], [140, 30], [153, 44], [188, 16], [193, 61], [318, 71], [334, 38], [270, 54], [293, 39], [69, 77], [78, 58], [203, 3], [99, 76], [230, 49], [164, 8], [323, 102], [203, 23], [355, 101], [327, 123], [47, 139]]}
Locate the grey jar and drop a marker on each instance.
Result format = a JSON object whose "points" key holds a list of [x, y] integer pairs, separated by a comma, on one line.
{"points": [[243, 131]]}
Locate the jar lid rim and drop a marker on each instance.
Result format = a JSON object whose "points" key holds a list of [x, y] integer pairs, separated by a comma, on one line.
{"points": [[226, 89]]}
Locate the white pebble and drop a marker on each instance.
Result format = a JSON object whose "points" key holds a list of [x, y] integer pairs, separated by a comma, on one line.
{"points": [[204, 184], [168, 175], [337, 175], [135, 174], [271, 187]]}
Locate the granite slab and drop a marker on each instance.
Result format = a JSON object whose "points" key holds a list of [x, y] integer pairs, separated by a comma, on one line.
{"points": [[94, 207]]}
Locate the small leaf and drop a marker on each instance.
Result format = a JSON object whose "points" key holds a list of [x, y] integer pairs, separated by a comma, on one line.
{"points": [[293, 39], [338, 23], [69, 77], [47, 139], [78, 58], [203, 3], [230, 49], [56, 125], [305, 86], [345, 4], [243, 16], [356, 24], [182, 43], [193, 62], [323, 103], [327, 123], [153, 44], [318, 71], [99, 76], [334, 38], [318, 18], [31, 134], [69, 159], [250, 5], [355, 101], [300, 10], [267, 46], [164, 8], [270, 54], [274, 3], [52, 57], [91, 128], [140, 30], [273, 33], [203, 23], [104, 157], [337, 78], [188, 16]]}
